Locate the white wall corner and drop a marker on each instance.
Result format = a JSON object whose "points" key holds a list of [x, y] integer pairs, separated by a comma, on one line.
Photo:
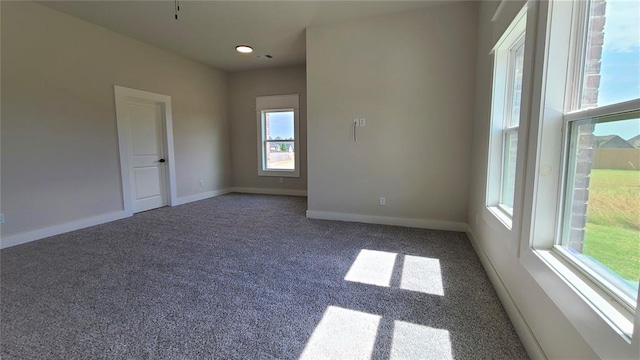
{"points": [[534, 350], [269, 191], [29, 236], [387, 220], [201, 196]]}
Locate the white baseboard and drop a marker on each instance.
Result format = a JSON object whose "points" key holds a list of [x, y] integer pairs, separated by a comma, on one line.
{"points": [[519, 323], [269, 191], [386, 220], [201, 196], [34, 235]]}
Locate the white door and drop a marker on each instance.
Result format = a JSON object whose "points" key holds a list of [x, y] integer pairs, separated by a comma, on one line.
{"points": [[147, 159]]}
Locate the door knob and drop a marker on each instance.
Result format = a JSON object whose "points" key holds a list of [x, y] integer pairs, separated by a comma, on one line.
{"points": [[162, 160]]}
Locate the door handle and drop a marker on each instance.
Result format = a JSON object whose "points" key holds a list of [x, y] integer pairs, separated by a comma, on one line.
{"points": [[162, 160]]}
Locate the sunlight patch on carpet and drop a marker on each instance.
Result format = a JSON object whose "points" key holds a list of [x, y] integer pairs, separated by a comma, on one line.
{"points": [[342, 334], [372, 267], [422, 274], [412, 341]]}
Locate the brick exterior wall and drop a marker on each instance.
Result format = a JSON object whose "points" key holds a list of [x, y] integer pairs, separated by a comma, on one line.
{"points": [[594, 53], [585, 139], [584, 164]]}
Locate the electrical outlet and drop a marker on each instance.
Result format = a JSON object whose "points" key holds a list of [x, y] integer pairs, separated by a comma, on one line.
{"points": [[1, 218], [362, 122], [356, 122], [201, 183], [383, 201]]}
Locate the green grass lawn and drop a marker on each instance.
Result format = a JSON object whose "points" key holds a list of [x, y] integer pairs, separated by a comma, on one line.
{"points": [[613, 221]]}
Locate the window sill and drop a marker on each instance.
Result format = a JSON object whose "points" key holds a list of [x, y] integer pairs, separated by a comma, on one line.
{"points": [[501, 216], [280, 173], [618, 317]]}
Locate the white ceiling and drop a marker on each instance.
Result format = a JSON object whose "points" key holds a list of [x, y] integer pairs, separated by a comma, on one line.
{"points": [[208, 31]]}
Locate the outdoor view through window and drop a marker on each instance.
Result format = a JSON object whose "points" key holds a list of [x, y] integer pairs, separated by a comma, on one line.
{"points": [[279, 140], [602, 195]]}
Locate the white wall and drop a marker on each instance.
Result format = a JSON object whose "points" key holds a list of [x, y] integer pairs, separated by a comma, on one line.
{"points": [[244, 86], [60, 160], [544, 328], [412, 76]]}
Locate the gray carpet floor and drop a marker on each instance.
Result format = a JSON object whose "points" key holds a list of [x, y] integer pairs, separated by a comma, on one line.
{"points": [[249, 277]]}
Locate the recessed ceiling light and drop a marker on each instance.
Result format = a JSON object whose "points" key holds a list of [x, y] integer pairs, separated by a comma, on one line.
{"points": [[245, 49]]}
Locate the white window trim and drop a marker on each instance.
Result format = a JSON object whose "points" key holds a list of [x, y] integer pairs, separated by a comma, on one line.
{"points": [[603, 324], [278, 103], [632, 108], [497, 216]]}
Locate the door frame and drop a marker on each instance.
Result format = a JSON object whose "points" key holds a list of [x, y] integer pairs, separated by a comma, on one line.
{"points": [[124, 142]]}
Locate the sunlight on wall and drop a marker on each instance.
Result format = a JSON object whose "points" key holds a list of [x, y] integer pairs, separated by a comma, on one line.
{"points": [[409, 342], [372, 267], [342, 334], [422, 274]]}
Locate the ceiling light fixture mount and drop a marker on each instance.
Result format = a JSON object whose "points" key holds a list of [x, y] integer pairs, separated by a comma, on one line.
{"points": [[245, 49]]}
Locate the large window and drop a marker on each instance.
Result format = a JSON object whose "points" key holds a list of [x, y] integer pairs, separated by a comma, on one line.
{"points": [[278, 153], [586, 192], [505, 118], [601, 212], [600, 220]]}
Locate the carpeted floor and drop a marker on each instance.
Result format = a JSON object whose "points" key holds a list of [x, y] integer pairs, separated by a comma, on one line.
{"points": [[249, 277]]}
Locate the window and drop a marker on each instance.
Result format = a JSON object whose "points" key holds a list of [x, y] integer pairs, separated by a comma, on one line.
{"points": [[586, 168], [600, 220], [601, 212], [505, 118], [278, 150]]}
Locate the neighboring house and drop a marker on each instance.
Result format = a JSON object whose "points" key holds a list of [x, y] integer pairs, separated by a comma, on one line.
{"points": [[635, 141], [611, 142]]}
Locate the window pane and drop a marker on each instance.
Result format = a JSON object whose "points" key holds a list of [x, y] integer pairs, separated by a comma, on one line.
{"points": [[612, 53], [517, 63], [602, 210], [507, 189], [280, 155], [279, 144]]}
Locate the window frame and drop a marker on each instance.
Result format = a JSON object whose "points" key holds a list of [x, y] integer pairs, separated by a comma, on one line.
{"points": [[514, 37], [628, 109], [611, 330], [277, 103]]}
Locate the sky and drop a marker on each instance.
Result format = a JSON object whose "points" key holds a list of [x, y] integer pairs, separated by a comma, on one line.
{"points": [[620, 72], [281, 124]]}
